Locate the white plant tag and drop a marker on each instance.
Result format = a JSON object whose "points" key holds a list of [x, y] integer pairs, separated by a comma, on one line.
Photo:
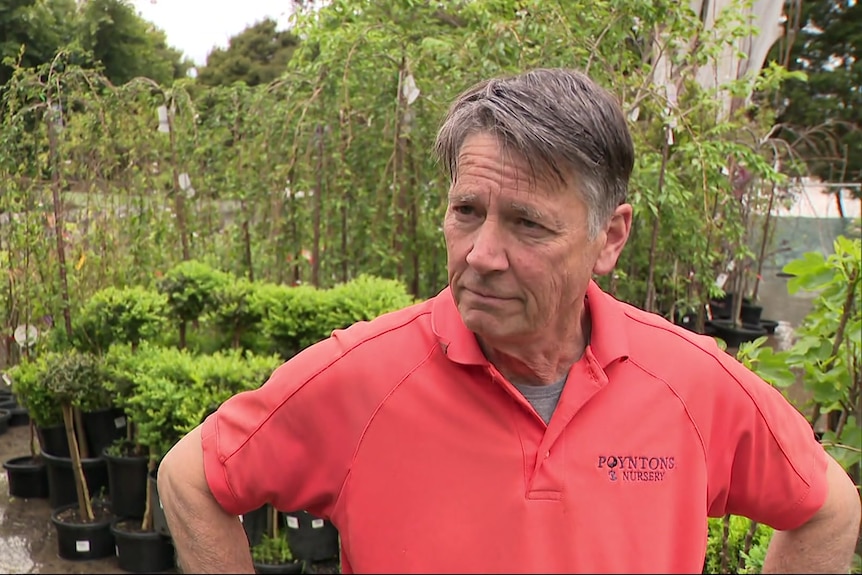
{"points": [[82, 546], [292, 522], [120, 422], [164, 125], [316, 523]]}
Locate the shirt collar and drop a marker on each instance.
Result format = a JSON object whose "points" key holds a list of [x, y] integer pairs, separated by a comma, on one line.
{"points": [[609, 336], [608, 340]]}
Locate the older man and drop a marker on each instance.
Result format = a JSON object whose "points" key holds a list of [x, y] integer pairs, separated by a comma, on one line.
{"points": [[521, 420]]}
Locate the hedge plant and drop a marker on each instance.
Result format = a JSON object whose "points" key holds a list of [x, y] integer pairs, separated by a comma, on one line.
{"points": [[119, 315], [190, 287]]}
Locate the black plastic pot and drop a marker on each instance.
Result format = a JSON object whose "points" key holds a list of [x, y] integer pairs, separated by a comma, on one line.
{"points": [[103, 427], [311, 538], [721, 308], [127, 484], [27, 477], [141, 551], [293, 567], [749, 313], [254, 523], [160, 523], [61, 481], [52, 440], [79, 541], [20, 417], [769, 325], [5, 416], [735, 335]]}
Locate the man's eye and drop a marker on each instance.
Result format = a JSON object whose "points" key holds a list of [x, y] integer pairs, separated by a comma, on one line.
{"points": [[529, 224], [464, 210]]}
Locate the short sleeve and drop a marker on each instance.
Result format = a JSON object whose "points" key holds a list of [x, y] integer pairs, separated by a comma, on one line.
{"points": [[289, 443], [763, 459]]}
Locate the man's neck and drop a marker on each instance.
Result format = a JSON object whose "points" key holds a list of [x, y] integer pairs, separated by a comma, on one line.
{"points": [[539, 362]]}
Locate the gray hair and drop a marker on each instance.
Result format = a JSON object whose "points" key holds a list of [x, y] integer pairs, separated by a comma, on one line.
{"points": [[560, 122]]}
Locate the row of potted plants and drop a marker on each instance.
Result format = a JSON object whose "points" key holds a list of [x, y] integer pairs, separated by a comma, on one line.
{"points": [[100, 480], [108, 398]]}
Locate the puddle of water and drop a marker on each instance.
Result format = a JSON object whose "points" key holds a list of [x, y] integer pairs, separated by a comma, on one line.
{"points": [[15, 555]]}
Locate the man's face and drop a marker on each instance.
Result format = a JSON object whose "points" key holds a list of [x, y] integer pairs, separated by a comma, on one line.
{"points": [[519, 253]]}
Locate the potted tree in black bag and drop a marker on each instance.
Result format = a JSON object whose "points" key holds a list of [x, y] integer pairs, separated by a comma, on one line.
{"points": [[83, 527]]}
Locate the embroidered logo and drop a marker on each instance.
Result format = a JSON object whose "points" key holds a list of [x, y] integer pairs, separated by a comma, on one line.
{"points": [[636, 468]]}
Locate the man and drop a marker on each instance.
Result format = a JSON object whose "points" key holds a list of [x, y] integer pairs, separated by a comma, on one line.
{"points": [[521, 420]]}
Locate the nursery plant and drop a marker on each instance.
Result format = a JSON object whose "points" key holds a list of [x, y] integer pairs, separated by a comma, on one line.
{"points": [[32, 392], [826, 354], [736, 544], [233, 312], [190, 287], [119, 315], [273, 553], [75, 378]]}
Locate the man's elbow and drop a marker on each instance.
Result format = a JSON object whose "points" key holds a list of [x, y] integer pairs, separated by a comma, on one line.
{"points": [[842, 503], [182, 467], [841, 512]]}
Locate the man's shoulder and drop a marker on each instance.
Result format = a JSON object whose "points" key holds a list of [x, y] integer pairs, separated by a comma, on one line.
{"points": [[654, 336], [404, 327]]}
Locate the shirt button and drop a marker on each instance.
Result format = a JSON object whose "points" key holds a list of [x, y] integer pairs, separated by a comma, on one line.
{"points": [[547, 454]]}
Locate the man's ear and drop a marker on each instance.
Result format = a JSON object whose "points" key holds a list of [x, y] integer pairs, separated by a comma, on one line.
{"points": [[616, 235]]}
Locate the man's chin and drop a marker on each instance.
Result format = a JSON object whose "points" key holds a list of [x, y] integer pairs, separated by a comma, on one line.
{"points": [[486, 326]]}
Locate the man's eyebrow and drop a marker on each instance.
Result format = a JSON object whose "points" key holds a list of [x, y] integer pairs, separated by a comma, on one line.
{"points": [[463, 198], [528, 211]]}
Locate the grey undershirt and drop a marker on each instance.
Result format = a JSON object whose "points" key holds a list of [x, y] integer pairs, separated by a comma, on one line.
{"points": [[543, 398]]}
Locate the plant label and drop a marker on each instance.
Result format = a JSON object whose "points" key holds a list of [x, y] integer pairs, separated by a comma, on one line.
{"points": [[82, 546], [120, 422], [292, 522], [316, 523]]}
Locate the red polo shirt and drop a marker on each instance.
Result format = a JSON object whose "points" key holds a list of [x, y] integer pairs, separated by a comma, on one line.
{"points": [[426, 459]]}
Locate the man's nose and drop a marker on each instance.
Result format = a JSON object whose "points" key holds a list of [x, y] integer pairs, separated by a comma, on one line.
{"points": [[488, 253]]}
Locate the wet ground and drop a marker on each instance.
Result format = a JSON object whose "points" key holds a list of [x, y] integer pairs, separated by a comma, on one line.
{"points": [[28, 540]]}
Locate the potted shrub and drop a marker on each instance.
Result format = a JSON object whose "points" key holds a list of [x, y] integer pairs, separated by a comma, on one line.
{"points": [[27, 474], [114, 316], [83, 527], [233, 313], [273, 554], [153, 383], [190, 287]]}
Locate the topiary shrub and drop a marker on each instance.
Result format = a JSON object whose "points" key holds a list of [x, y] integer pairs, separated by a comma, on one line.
{"points": [[117, 316], [190, 287]]}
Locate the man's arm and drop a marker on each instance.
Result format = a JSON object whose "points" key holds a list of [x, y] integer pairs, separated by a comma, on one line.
{"points": [[825, 544], [206, 538]]}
